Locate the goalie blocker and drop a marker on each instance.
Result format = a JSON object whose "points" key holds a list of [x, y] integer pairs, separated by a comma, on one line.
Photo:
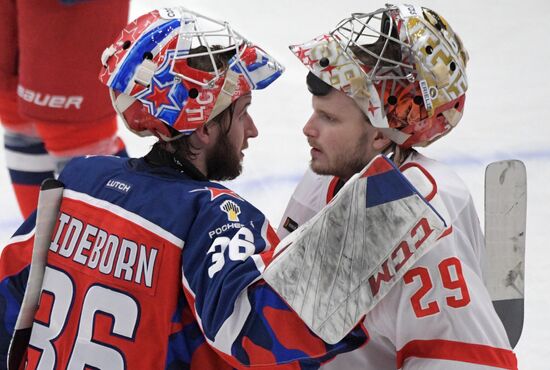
{"points": [[336, 267]]}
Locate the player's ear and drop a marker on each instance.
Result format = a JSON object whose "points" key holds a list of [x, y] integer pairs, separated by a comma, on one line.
{"points": [[380, 141], [205, 135]]}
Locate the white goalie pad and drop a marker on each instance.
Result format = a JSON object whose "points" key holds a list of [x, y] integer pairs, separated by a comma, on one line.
{"points": [[336, 267]]}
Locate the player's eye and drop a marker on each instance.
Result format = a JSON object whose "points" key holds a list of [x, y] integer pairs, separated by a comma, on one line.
{"points": [[326, 117]]}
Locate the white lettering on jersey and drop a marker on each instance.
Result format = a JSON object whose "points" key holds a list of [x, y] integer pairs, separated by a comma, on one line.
{"points": [[241, 246], [50, 101], [118, 185], [224, 228], [110, 254]]}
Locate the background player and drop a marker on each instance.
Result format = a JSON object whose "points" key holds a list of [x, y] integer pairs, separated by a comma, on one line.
{"points": [[151, 264], [52, 107], [385, 82]]}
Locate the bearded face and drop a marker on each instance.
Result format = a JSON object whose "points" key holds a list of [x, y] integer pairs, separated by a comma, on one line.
{"points": [[224, 161]]}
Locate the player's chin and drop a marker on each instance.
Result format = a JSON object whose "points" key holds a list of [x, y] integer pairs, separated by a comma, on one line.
{"points": [[319, 167]]}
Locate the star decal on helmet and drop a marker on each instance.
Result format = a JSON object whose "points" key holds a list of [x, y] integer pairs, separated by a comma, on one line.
{"points": [[158, 96]]}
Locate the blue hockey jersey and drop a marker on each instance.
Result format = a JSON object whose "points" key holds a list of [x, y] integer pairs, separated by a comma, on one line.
{"points": [[150, 269]]}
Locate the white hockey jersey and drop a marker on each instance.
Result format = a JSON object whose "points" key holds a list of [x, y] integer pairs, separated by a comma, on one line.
{"points": [[440, 316]]}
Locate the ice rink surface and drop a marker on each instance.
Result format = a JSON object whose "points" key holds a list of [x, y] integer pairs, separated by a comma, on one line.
{"points": [[507, 115]]}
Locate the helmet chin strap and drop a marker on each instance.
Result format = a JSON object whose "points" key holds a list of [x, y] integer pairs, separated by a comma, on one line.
{"points": [[121, 103]]}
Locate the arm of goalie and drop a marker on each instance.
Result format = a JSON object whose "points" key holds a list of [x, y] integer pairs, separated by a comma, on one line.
{"points": [[49, 200], [336, 267]]}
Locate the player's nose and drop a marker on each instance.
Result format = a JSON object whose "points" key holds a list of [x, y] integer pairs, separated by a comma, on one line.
{"points": [[252, 130], [309, 128]]}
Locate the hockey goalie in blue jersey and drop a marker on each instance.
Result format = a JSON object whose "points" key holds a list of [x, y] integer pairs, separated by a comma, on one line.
{"points": [[149, 264]]}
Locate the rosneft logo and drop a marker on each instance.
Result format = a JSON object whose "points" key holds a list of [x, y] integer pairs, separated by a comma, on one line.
{"points": [[231, 209]]}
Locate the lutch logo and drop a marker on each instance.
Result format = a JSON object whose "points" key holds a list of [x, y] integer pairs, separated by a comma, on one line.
{"points": [[118, 186]]}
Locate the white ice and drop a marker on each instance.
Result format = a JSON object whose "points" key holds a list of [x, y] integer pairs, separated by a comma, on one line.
{"points": [[507, 115]]}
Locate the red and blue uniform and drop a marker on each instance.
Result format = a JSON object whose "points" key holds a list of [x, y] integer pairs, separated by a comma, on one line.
{"points": [[52, 107], [148, 269]]}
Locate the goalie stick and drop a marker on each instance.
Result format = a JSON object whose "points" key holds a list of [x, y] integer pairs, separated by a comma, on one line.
{"points": [[49, 200], [505, 221]]}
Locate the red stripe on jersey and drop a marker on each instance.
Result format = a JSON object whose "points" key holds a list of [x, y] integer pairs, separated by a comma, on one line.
{"points": [[380, 165], [332, 189], [265, 356], [291, 330], [272, 237], [458, 351], [258, 354], [448, 231], [267, 257], [205, 357], [430, 178], [27, 197], [15, 257]]}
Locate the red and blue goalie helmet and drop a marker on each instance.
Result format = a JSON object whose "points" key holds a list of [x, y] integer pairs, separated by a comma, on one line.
{"points": [[150, 62]]}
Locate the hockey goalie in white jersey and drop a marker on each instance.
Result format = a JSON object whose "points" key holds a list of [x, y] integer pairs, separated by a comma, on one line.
{"points": [[387, 82]]}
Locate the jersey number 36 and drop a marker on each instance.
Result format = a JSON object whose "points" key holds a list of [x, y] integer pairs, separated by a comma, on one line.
{"points": [[86, 352]]}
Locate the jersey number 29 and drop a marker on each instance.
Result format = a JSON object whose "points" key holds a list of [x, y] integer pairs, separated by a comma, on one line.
{"points": [[451, 281]]}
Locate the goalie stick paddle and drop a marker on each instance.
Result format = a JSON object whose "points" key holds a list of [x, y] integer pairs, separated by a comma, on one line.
{"points": [[505, 221], [49, 200]]}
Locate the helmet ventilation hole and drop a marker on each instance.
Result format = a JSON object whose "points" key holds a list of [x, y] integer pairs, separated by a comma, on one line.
{"points": [[148, 55], [193, 93], [324, 62], [452, 66], [457, 105], [429, 49], [126, 44], [418, 100], [392, 100]]}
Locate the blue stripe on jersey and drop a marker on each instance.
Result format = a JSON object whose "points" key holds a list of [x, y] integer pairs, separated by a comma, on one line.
{"points": [[183, 344], [29, 178], [146, 43], [27, 226], [23, 144], [12, 290], [387, 187], [260, 298], [22, 147], [225, 287]]}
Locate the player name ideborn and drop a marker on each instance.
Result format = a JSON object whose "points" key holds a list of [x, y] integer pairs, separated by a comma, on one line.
{"points": [[110, 254]]}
